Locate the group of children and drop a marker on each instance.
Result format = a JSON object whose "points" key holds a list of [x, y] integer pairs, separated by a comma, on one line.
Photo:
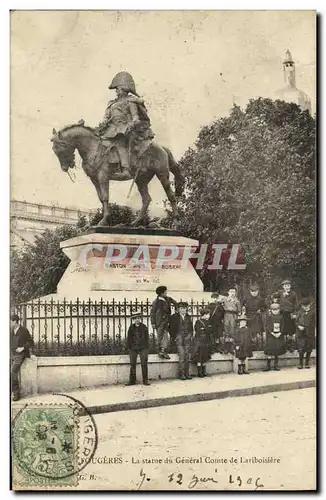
{"points": [[227, 325]]}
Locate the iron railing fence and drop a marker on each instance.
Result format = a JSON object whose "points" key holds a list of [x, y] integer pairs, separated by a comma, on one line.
{"points": [[73, 328], [70, 328]]}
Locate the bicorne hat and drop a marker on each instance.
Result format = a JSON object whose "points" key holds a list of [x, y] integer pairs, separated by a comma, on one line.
{"points": [[125, 81]]}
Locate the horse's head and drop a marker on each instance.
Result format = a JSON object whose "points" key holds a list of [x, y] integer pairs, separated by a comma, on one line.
{"points": [[64, 148]]}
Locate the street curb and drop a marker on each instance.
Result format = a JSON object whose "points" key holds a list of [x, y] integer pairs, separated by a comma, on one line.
{"points": [[193, 398]]}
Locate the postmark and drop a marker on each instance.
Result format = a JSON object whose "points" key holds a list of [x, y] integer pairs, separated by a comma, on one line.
{"points": [[52, 442]]}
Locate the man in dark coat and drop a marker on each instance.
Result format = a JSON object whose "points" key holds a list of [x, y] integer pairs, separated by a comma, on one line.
{"points": [[243, 344], [181, 329], [160, 319], [255, 307], [289, 306], [21, 347], [306, 324], [216, 320], [138, 343]]}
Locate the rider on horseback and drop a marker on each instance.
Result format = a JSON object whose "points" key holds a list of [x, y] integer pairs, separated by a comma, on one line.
{"points": [[126, 121]]}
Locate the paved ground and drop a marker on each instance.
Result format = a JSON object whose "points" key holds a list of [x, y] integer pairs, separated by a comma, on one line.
{"points": [[278, 426], [117, 398]]}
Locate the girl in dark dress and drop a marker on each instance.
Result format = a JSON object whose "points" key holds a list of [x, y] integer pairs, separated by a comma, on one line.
{"points": [[243, 344], [255, 307], [202, 342], [275, 343]]}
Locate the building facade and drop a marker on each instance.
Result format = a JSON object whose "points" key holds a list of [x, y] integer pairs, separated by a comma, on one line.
{"points": [[30, 219]]}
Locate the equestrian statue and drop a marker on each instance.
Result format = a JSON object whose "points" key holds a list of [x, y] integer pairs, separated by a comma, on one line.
{"points": [[121, 148]]}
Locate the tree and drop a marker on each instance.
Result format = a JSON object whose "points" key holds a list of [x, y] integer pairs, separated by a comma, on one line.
{"points": [[36, 270], [251, 180]]}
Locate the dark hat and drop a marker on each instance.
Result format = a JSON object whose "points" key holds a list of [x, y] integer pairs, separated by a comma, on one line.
{"points": [[183, 304], [275, 306], [214, 295], [124, 80], [161, 289], [204, 310], [242, 317], [286, 282], [136, 314], [14, 317], [276, 295], [306, 301], [254, 286]]}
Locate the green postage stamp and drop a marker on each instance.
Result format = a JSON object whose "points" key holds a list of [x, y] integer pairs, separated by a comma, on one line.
{"points": [[51, 444]]}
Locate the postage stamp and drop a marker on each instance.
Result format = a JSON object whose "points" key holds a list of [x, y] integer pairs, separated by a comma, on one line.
{"points": [[51, 443]]}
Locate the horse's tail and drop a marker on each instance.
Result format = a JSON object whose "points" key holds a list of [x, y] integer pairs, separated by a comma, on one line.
{"points": [[178, 176]]}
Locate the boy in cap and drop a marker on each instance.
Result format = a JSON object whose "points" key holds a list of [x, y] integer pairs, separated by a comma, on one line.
{"points": [[160, 319], [232, 309], [202, 342], [243, 343], [138, 344], [255, 306], [216, 319], [181, 329], [274, 345], [288, 306], [305, 331]]}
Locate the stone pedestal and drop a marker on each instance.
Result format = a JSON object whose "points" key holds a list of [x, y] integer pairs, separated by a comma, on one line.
{"points": [[129, 264]]}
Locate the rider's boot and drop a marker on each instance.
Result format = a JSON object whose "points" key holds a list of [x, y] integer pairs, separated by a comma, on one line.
{"points": [[124, 162]]}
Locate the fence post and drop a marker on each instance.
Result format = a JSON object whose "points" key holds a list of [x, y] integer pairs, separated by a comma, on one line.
{"points": [[23, 314]]}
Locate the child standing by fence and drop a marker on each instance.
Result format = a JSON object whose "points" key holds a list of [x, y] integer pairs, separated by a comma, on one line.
{"points": [[275, 344], [202, 342]]}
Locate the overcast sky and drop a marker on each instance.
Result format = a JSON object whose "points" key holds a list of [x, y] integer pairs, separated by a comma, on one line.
{"points": [[189, 67]]}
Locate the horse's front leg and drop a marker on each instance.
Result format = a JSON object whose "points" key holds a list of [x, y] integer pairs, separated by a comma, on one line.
{"points": [[142, 184], [101, 184], [103, 180]]}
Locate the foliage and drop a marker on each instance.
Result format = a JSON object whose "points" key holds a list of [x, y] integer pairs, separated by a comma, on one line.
{"points": [[36, 270], [251, 180]]}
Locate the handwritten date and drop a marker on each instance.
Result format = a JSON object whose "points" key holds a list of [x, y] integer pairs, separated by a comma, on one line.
{"points": [[179, 479]]}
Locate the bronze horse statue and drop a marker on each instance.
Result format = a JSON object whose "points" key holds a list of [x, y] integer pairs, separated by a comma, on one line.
{"points": [[98, 166]]}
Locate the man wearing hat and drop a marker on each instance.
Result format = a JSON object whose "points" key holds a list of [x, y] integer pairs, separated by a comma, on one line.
{"points": [[21, 347], [125, 118], [138, 344], [181, 329], [243, 343], [274, 340], [306, 324], [160, 319], [288, 306], [255, 307]]}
